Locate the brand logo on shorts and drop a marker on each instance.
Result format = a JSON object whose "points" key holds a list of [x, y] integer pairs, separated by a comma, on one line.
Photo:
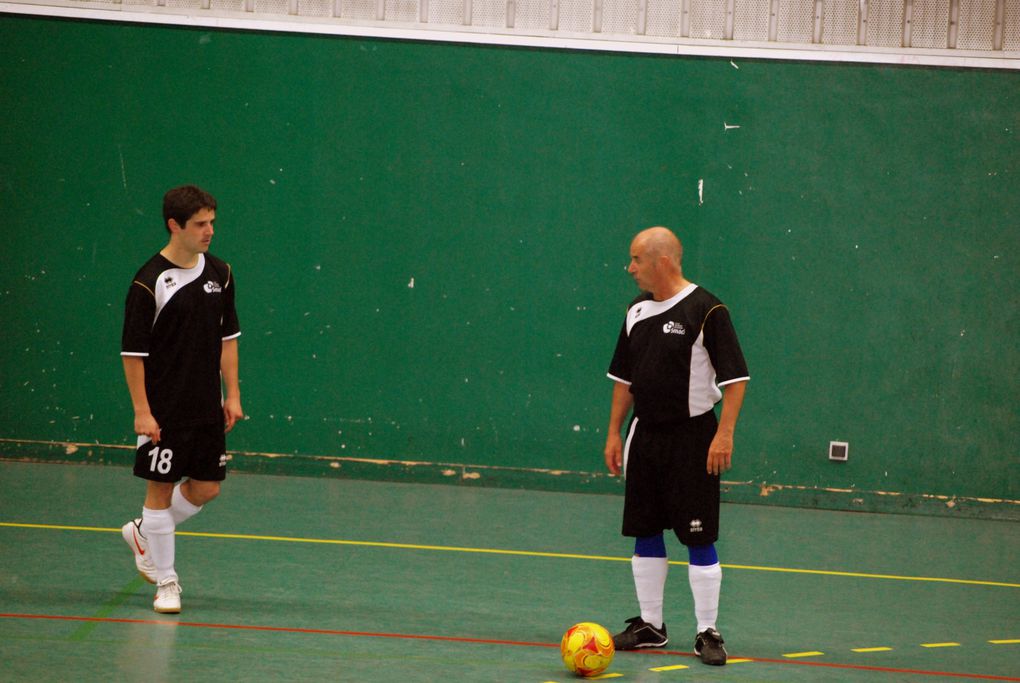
{"points": [[673, 328], [696, 526], [223, 460], [212, 286]]}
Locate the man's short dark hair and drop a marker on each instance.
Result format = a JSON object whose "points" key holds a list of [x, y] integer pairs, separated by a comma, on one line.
{"points": [[181, 203]]}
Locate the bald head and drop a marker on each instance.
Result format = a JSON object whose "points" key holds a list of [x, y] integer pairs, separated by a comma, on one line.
{"points": [[659, 241], [655, 256]]}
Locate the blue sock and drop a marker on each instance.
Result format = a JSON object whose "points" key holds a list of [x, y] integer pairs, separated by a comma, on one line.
{"points": [[650, 546], [702, 555]]}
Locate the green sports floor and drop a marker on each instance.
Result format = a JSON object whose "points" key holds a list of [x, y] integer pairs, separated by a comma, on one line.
{"points": [[300, 579]]}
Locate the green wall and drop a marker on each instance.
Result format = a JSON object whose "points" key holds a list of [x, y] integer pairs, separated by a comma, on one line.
{"points": [[861, 223]]}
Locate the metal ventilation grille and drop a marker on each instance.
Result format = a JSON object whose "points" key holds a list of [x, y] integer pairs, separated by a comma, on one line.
{"points": [[885, 24], [402, 10], [929, 24], [270, 6], [708, 19], [663, 18], [446, 12], [532, 14], [575, 16], [841, 22], [943, 32], [1011, 28], [620, 18], [489, 13], [751, 20], [315, 8], [796, 21], [977, 24]]}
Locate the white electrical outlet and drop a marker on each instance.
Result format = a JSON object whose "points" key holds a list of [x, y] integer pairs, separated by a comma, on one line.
{"points": [[839, 450]]}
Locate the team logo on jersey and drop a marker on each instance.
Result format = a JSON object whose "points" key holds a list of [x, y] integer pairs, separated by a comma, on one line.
{"points": [[212, 286], [169, 281], [696, 526], [673, 328]]}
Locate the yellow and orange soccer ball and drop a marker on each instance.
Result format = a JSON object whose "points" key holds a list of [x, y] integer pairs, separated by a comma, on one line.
{"points": [[587, 649]]}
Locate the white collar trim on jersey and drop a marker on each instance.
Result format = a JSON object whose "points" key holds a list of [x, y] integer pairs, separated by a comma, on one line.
{"points": [[172, 280], [650, 308]]}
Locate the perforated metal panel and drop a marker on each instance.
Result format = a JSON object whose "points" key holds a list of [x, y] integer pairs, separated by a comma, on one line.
{"points": [[489, 13], [227, 5], [446, 12], [935, 31], [929, 25], [619, 17], [532, 14], [977, 24], [576, 15], [350, 9], [751, 20], [1011, 27], [840, 22], [885, 23], [796, 21], [315, 8], [402, 10], [271, 6], [663, 18], [708, 19]]}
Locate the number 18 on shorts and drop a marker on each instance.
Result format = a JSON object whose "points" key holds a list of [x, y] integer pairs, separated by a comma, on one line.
{"points": [[196, 452]]}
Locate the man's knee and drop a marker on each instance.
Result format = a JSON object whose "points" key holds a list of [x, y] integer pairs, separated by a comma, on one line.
{"points": [[200, 492]]}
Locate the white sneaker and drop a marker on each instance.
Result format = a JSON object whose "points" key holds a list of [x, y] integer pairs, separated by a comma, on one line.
{"points": [[168, 596], [140, 547]]}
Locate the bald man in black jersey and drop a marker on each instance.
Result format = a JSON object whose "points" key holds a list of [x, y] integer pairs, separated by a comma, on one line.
{"points": [[677, 355]]}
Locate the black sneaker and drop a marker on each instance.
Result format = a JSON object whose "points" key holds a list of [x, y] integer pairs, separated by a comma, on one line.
{"points": [[640, 634], [709, 646]]}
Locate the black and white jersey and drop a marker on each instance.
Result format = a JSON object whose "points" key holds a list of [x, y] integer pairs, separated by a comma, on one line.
{"points": [[177, 320], [675, 354]]}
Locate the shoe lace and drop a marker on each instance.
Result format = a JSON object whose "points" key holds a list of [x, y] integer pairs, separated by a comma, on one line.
{"points": [[711, 636], [170, 587]]}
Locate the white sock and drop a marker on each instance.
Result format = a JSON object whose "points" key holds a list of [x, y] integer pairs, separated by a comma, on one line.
{"points": [[159, 531], [181, 508], [650, 583], [705, 585]]}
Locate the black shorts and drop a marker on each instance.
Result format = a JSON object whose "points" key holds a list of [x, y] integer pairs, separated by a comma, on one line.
{"points": [[667, 483], [198, 452]]}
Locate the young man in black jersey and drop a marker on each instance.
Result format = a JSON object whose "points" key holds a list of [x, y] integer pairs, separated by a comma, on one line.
{"points": [[677, 355], [179, 348]]}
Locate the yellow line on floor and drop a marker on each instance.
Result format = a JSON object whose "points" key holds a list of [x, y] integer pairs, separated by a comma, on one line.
{"points": [[829, 572], [501, 551], [1005, 642], [871, 649], [940, 645], [795, 655]]}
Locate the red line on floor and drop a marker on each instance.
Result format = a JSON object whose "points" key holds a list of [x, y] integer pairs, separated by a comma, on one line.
{"points": [[484, 641]]}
